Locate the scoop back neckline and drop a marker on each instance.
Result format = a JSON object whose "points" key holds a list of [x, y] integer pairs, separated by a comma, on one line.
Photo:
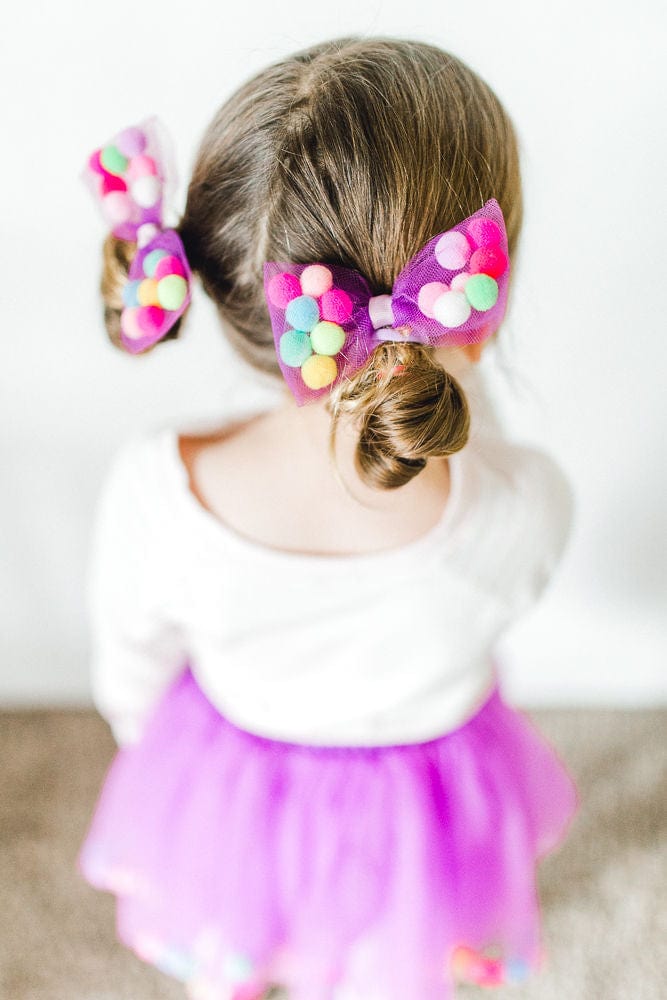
{"points": [[222, 532]]}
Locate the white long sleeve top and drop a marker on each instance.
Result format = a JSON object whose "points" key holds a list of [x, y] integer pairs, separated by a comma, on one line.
{"points": [[373, 649]]}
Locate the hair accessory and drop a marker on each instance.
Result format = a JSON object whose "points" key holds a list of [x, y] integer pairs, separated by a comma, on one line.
{"points": [[129, 178], [326, 322]]}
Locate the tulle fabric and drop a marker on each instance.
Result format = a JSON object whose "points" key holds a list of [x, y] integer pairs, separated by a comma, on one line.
{"points": [[342, 873]]}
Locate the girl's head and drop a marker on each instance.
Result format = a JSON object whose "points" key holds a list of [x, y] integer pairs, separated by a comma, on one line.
{"points": [[356, 152]]}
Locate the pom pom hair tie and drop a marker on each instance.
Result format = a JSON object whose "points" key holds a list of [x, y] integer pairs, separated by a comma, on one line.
{"points": [[326, 322], [129, 177]]}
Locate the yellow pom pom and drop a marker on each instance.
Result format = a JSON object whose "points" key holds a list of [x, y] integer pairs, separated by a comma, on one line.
{"points": [[147, 292], [318, 371]]}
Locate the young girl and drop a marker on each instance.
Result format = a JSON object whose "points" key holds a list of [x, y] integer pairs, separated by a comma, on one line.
{"points": [[319, 786]]}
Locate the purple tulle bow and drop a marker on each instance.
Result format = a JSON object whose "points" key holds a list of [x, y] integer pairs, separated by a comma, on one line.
{"points": [[326, 321], [128, 178]]}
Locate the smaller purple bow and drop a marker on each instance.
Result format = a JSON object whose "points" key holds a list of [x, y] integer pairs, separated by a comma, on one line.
{"points": [[326, 322], [128, 177]]}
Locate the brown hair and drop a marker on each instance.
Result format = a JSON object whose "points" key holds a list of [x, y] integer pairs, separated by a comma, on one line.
{"points": [[356, 152]]}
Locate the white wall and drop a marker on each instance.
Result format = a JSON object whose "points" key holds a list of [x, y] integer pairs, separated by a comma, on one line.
{"points": [[585, 340]]}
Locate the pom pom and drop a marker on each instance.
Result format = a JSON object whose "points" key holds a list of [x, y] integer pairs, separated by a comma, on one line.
{"points": [[150, 319], [95, 164], [488, 260], [113, 160], [516, 970], [282, 288], [146, 191], [327, 338], [481, 291], [131, 293], [151, 261], [112, 183], [336, 305], [295, 347], [452, 250], [316, 279], [147, 292], [169, 265], [483, 232], [318, 371], [146, 233], [116, 207], [130, 142], [428, 293], [171, 291], [458, 282], [130, 325], [303, 312], [141, 166], [451, 309]]}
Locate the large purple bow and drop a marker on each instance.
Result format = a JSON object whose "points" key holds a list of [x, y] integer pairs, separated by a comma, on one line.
{"points": [[326, 322]]}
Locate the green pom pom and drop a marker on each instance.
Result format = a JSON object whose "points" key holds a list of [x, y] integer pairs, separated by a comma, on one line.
{"points": [[481, 291], [327, 337], [295, 347], [113, 160], [171, 291]]}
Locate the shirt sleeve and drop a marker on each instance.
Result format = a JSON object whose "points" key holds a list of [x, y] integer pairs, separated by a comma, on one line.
{"points": [[137, 646], [548, 508]]}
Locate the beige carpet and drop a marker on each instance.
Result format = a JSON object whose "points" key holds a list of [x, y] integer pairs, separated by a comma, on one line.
{"points": [[604, 893]]}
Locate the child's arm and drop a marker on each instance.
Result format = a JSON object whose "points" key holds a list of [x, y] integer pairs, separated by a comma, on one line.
{"points": [[137, 646]]}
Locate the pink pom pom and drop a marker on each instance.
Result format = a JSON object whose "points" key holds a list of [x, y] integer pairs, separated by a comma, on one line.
{"points": [[168, 265], [117, 207], [150, 319], [488, 260], [111, 183], [282, 288], [129, 321], [483, 232], [428, 293], [458, 282], [141, 166], [316, 279], [95, 165], [336, 306]]}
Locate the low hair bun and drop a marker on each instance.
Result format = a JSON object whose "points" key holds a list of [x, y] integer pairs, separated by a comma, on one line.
{"points": [[405, 416]]}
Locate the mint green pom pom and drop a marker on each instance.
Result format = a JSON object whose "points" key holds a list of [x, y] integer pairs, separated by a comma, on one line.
{"points": [[295, 347], [481, 291], [171, 291], [327, 338], [113, 161], [151, 261]]}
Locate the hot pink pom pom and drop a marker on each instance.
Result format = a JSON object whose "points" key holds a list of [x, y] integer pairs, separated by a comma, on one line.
{"points": [[95, 164], [336, 306], [483, 233], [168, 265], [150, 319], [111, 183], [488, 260], [282, 288]]}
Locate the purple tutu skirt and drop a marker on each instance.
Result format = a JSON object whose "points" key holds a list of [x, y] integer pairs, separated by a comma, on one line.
{"points": [[340, 873]]}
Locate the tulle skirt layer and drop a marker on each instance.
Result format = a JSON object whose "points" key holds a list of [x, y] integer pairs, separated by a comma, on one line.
{"points": [[342, 873]]}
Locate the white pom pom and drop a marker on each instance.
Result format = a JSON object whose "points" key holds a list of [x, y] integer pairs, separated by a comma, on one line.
{"points": [[146, 191], [451, 309]]}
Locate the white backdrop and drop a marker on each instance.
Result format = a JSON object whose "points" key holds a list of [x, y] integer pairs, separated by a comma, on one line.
{"points": [[584, 345]]}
